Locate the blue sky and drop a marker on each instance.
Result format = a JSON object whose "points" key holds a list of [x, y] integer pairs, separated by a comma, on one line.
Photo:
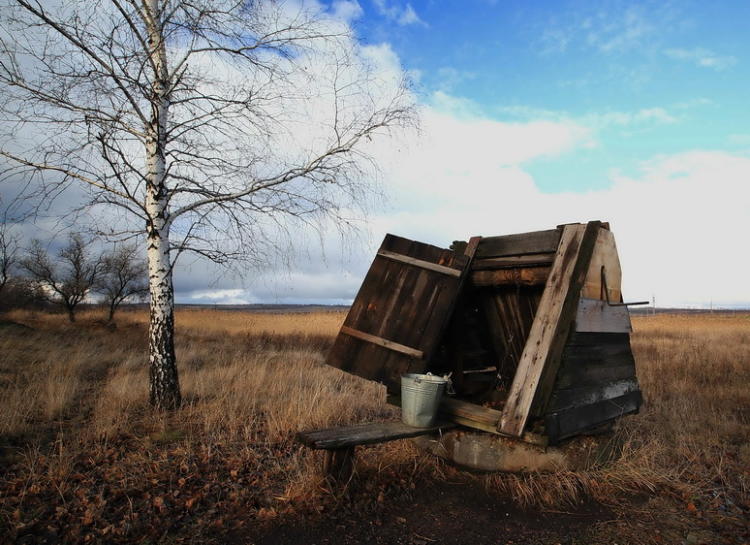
{"points": [[654, 77], [539, 113], [534, 114]]}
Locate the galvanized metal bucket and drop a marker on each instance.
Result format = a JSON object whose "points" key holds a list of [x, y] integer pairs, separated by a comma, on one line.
{"points": [[420, 398]]}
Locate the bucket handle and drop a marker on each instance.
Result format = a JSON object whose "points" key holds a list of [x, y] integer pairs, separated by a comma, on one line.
{"points": [[448, 382]]}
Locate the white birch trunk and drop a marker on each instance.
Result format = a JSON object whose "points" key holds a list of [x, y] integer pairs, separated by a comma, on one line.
{"points": [[164, 387]]}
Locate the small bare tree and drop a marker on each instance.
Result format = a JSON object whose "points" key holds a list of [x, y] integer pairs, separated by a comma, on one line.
{"points": [[124, 277], [216, 126], [69, 278], [8, 254]]}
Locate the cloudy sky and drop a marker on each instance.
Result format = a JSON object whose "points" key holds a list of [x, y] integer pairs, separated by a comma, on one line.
{"points": [[540, 113]]}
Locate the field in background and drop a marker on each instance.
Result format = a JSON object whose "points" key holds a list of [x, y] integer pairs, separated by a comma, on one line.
{"points": [[82, 454]]}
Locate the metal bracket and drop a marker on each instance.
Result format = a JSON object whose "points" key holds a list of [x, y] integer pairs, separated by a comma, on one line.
{"points": [[606, 295]]}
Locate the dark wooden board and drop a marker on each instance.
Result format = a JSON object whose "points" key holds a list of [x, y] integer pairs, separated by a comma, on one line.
{"points": [[593, 359], [578, 396], [493, 263], [535, 242], [527, 276], [365, 434], [569, 422], [402, 303], [510, 312], [595, 374], [594, 339]]}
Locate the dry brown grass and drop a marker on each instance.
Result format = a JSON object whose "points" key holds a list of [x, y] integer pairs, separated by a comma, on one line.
{"points": [[691, 441], [83, 454]]}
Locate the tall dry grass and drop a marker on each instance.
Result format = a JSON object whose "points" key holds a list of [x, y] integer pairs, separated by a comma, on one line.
{"points": [[82, 451], [691, 439]]}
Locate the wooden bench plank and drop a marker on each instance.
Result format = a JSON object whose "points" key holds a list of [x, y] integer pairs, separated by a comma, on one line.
{"points": [[364, 434]]}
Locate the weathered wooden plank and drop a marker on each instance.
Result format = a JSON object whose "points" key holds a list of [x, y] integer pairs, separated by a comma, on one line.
{"points": [[474, 416], [539, 362], [605, 255], [531, 276], [569, 422], [596, 316], [364, 434], [566, 398], [599, 340], [338, 464], [385, 343], [420, 263], [535, 242], [594, 374], [534, 260], [403, 304]]}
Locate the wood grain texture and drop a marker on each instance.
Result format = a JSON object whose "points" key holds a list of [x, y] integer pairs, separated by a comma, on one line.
{"points": [[593, 359], [420, 263], [364, 434], [404, 304], [579, 396], [531, 276], [535, 242], [567, 423], [533, 260], [596, 316], [537, 368], [510, 313], [605, 255], [385, 343]]}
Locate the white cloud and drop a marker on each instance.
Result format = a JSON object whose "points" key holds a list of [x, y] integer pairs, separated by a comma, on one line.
{"points": [[401, 14], [673, 221], [221, 297], [702, 58], [347, 10]]}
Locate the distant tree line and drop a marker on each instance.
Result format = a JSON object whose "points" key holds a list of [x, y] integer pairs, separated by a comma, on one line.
{"points": [[35, 278]]}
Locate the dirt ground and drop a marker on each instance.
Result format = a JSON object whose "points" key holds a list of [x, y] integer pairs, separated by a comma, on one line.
{"points": [[465, 513]]}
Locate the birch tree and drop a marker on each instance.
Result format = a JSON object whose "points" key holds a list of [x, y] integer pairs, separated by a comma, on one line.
{"points": [[214, 126]]}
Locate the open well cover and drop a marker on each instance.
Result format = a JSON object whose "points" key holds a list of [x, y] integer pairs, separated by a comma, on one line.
{"points": [[530, 325]]}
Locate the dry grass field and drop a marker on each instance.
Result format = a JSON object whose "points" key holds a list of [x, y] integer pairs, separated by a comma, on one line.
{"points": [[83, 459]]}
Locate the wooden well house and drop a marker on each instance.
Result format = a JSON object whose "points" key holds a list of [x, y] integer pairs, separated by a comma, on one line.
{"points": [[531, 326]]}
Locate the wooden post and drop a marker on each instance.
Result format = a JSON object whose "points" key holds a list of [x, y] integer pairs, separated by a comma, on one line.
{"points": [[338, 464], [556, 313]]}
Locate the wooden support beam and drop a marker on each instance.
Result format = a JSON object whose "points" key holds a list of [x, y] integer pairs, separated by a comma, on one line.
{"points": [[420, 263], [532, 260], [535, 242], [474, 416], [385, 343], [338, 464], [555, 315], [531, 276]]}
